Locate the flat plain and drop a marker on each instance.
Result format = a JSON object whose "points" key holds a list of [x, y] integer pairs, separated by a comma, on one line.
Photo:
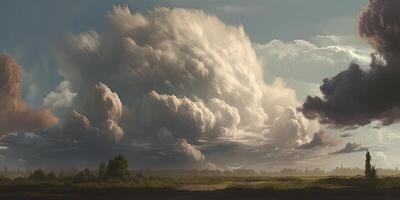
{"points": [[197, 188]]}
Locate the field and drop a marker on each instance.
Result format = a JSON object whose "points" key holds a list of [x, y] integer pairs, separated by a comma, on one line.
{"points": [[194, 188]]}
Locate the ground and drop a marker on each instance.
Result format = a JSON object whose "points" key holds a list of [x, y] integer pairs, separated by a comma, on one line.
{"points": [[196, 188]]}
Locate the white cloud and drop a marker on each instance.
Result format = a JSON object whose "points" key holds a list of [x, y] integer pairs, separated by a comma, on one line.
{"points": [[277, 97], [227, 117], [62, 97], [310, 61], [185, 118], [291, 129]]}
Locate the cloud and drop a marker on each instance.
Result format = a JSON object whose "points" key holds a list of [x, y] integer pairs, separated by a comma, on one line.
{"points": [[290, 130], [61, 97], [102, 110], [308, 61], [187, 149], [168, 86], [227, 117], [172, 72], [185, 118], [378, 24], [277, 97], [350, 148], [15, 115], [77, 126], [320, 139], [356, 97], [101, 104], [198, 65], [302, 63]]}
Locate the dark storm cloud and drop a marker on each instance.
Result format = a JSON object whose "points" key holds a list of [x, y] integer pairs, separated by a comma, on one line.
{"points": [[320, 139], [380, 24], [350, 148], [15, 115], [355, 97]]}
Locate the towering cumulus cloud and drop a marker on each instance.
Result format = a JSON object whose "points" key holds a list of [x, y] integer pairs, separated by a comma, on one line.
{"points": [[168, 51], [170, 79], [15, 115], [356, 97]]}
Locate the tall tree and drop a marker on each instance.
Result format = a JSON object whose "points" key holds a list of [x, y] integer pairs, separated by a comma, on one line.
{"points": [[368, 167], [370, 171], [118, 167]]}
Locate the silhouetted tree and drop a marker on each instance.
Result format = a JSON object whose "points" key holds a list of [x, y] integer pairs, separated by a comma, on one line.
{"points": [[370, 171], [368, 168], [117, 167]]}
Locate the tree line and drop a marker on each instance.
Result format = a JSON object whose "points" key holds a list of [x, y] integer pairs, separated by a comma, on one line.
{"points": [[118, 168]]}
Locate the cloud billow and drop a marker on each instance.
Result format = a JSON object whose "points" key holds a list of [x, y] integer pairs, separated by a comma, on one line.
{"points": [[182, 76], [170, 88], [15, 114], [356, 97], [102, 111]]}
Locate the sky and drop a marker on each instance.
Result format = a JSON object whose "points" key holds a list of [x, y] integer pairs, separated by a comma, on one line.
{"points": [[188, 84]]}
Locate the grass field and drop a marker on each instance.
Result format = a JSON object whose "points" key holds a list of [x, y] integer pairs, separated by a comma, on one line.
{"points": [[207, 188]]}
